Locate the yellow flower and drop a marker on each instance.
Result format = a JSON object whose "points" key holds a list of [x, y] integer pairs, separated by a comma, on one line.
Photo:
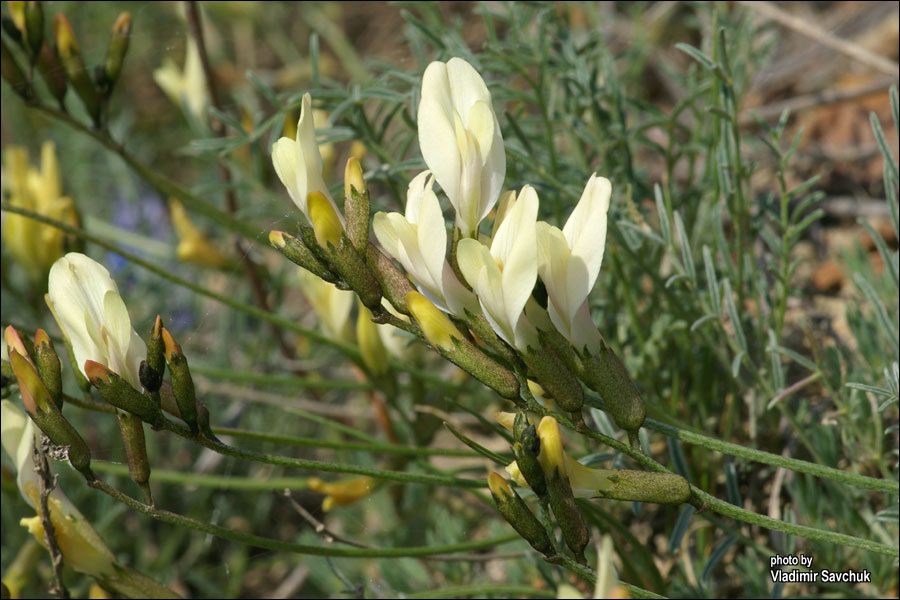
{"points": [[35, 245], [332, 305], [342, 493], [193, 246], [186, 88]]}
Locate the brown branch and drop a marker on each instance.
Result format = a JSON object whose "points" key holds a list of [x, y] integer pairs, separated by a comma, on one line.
{"points": [[256, 280], [47, 481]]}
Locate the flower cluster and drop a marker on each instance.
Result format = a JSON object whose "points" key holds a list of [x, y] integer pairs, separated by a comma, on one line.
{"points": [[485, 283]]}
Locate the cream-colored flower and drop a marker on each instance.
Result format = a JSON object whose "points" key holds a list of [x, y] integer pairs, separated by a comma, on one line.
{"points": [[298, 162], [503, 276], [418, 241], [461, 141], [35, 245], [90, 312], [569, 262], [187, 87]]}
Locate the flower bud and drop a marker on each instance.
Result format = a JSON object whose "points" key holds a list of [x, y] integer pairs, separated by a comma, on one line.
{"points": [[324, 219], [517, 513], [132, 429], [152, 370], [46, 415], [373, 352], [605, 374], [13, 74], [47, 362], [559, 491], [73, 65], [118, 47], [34, 28], [120, 394], [356, 206], [447, 339], [643, 486], [555, 378], [182, 383], [297, 252], [337, 249], [52, 72]]}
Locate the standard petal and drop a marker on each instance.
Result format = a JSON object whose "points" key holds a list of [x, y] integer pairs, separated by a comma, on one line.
{"points": [[284, 158], [385, 233], [309, 168], [431, 235], [466, 86], [436, 131], [518, 253], [586, 228]]}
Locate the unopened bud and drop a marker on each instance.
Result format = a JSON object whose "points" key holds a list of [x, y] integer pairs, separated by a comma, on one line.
{"points": [[517, 513], [34, 28], [118, 392], [605, 374], [644, 486], [559, 491], [154, 367], [52, 72], [324, 219], [12, 73], [182, 383], [297, 252], [554, 378], [73, 65], [47, 416], [356, 206], [47, 362], [118, 47], [132, 429], [447, 339], [337, 250]]}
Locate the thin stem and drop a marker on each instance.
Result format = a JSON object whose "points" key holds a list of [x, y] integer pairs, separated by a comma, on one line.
{"points": [[702, 499], [47, 482], [317, 465], [793, 464], [371, 447], [165, 186], [278, 545], [192, 11]]}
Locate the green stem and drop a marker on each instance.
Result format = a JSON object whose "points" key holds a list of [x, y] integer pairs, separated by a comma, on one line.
{"points": [[792, 464], [372, 447], [272, 380], [278, 545], [163, 184], [702, 499], [317, 465]]}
